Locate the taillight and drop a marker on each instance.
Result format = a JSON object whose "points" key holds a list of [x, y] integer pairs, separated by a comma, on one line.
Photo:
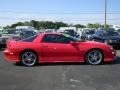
{"points": [[8, 44]]}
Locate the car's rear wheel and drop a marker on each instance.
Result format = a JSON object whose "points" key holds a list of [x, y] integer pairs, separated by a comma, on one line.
{"points": [[94, 57], [28, 58]]}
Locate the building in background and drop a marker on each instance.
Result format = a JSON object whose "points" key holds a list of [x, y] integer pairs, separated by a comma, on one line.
{"points": [[62, 29], [25, 27]]}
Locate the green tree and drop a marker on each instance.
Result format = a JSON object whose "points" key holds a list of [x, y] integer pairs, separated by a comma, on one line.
{"points": [[60, 24], [35, 24], [96, 25], [17, 24], [7, 27], [79, 26], [46, 25], [89, 25], [26, 23]]}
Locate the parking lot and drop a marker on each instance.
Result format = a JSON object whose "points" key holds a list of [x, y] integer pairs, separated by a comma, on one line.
{"points": [[60, 77]]}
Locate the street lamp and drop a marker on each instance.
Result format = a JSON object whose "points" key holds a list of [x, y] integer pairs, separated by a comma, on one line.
{"points": [[105, 14]]}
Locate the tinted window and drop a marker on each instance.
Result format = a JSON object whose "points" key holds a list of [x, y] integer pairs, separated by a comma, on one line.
{"points": [[56, 39], [71, 38], [29, 39]]}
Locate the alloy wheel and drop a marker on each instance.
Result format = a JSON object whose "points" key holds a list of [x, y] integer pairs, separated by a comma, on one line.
{"points": [[94, 57], [29, 58]]}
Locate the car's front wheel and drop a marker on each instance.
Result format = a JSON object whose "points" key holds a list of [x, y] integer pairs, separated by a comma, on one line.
{"points": [[28, 58], [94, 57]]}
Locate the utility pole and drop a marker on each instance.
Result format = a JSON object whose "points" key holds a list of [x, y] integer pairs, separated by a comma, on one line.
{"points": [[105, 14]]}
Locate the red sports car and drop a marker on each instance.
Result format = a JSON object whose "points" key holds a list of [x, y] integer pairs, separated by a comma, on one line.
{"points": [[53, 47]]}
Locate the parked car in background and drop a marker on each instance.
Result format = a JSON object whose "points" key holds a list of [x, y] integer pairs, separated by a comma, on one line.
{"points": [[15, 34], [53, 47], [62, 29], [50, 30], [118, 31], [71, 33], [110, 37], [0, 33], [87, 34]]}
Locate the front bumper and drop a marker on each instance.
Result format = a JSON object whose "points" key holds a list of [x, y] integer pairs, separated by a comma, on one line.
{"points": [[110, 55], [11, 56]]}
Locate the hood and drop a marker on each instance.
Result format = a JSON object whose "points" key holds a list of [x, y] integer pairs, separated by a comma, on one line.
{"points": [[94, 43]]}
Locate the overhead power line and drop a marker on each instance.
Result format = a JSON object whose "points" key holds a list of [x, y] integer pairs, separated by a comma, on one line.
{"points": [[56, 12]]}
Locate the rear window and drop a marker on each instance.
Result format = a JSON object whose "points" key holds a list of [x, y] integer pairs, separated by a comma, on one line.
{"points": [[29, 39]]}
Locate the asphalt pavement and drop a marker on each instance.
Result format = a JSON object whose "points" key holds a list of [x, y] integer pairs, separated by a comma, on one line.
{"points": [[60, 76]]}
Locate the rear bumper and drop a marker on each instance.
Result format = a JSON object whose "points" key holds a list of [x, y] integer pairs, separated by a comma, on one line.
{"points": [[10, 56]]}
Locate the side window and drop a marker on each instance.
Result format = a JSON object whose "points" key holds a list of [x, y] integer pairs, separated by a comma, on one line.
{"points": [[49, 38], [55, 39]]}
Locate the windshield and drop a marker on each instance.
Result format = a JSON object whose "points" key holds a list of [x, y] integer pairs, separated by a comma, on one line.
{"points": [[72, 38]]}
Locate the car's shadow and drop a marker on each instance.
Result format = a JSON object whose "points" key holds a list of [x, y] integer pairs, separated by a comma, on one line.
{"points": [[117, 61]]}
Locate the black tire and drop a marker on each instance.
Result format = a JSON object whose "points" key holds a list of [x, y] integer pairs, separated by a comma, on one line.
{"points": [[28, 58], [94, 57]]}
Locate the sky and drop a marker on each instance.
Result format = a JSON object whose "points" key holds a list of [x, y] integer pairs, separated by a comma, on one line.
{"points": [[69, 11]]}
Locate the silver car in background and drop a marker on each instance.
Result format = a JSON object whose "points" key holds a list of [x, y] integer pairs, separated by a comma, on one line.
{"points": [[16, 34]]}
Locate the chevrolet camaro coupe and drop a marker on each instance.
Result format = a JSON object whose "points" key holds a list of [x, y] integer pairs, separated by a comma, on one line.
{"points": [[54, 47]]}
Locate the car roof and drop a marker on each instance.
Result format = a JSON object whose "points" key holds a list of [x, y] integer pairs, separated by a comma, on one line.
{"points": [[52, 33]]}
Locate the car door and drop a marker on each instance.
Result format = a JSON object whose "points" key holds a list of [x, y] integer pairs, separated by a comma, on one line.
{"points": [[57, 48]]}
